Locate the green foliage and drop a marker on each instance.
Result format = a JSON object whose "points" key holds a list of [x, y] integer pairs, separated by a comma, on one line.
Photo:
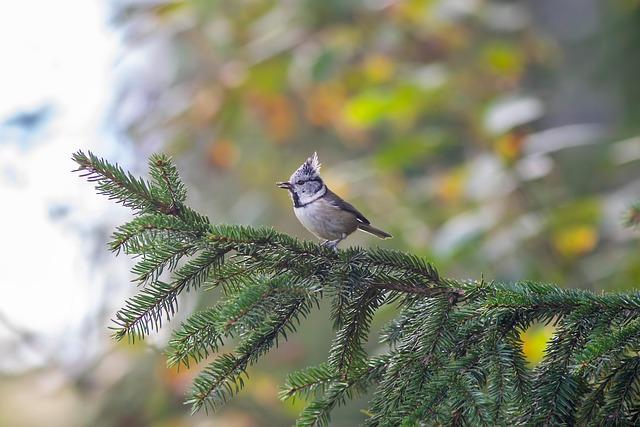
{"points": [[453, 355]]}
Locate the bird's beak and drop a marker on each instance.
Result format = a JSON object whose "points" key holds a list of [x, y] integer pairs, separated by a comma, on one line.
{"points": [[284, 185]]}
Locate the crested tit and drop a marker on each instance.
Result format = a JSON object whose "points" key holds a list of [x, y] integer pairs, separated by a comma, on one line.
{"points": [[320, 210]]}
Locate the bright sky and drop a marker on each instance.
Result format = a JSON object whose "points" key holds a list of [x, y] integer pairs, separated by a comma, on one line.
{"points": [[57, 54]]}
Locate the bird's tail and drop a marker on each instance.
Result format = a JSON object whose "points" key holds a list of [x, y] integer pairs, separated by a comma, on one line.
{"points": [[375, 231]]}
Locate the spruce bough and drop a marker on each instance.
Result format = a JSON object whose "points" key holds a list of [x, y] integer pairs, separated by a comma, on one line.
{"points": [[453, 355]]}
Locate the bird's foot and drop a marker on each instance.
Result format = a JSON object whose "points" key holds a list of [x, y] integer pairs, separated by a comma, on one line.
{"points": [[331, 244]]}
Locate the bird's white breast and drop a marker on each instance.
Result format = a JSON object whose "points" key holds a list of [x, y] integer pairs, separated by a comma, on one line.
{"points": [[307, 216], [325, 220]]}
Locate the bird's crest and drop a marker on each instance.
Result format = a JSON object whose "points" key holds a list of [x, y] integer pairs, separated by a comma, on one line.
{"points": [[309, 169]]}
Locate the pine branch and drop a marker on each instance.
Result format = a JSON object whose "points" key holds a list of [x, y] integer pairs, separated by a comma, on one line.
{"points": [[135, 237], [159, 256], [436, 391], [509, 379], [223, 378], [307, 381], [610, 346], [471, 404], [347, 277], [621, 400], [593, 401], [114, 182], [347, 350], [203, 333], [498, 359], [218, 382], [454, 352], [424, 342], [166, 178], [318, 413], [135, 193], [407, 263], [557, 389], [145, 311]]}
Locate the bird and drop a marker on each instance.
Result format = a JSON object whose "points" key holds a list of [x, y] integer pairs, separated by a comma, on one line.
{"points": [[320, 210]]}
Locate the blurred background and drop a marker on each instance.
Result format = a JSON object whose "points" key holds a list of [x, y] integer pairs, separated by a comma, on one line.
{"points": [[496, 138]]}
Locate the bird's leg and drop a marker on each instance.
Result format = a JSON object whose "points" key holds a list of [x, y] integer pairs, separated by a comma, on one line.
{"points": [[333, 244]]}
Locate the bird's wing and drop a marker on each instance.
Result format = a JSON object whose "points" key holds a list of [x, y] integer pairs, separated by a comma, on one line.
{"points": [[336, 201]]}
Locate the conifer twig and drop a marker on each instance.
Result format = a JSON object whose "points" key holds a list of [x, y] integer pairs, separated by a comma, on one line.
{"points": [[452, 355]]}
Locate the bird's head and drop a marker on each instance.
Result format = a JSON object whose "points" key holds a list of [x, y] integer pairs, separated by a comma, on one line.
{"points": [[305, 184]]}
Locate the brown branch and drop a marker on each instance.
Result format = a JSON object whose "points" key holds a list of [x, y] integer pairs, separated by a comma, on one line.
{"points": [[420, 290]]}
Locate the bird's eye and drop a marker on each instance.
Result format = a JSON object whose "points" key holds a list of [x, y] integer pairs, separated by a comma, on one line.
{"points": [[300, 182]]}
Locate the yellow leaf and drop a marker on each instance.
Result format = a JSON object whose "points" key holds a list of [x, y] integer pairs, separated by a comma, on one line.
{"points": [[575, 240], [534, 341]]}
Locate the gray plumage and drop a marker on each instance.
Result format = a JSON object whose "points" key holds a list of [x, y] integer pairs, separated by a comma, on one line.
{"points": [[320, 210]]}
